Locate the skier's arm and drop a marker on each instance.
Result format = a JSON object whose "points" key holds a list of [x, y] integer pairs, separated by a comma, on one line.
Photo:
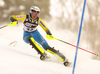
{"points": [[45, 28], [17, 17]]}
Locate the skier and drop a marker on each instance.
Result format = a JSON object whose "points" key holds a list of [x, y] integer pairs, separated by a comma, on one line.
{"points": [[33, 37]]}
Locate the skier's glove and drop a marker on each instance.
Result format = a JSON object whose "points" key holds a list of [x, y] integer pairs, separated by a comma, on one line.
{"points": [[13, 21], [48, 32], [50, 37]]}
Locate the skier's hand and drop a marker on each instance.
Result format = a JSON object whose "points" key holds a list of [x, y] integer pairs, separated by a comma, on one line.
{"points": [[50, 36], [13, 21]]}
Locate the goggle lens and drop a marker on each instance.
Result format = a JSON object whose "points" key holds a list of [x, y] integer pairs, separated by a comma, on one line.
{"points": [[35, 11]]}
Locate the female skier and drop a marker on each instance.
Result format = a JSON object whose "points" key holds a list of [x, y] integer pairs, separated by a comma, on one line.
{"points": [[33, 37]]}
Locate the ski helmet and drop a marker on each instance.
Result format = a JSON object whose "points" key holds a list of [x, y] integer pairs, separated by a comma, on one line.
{"points": [[34, 10]]}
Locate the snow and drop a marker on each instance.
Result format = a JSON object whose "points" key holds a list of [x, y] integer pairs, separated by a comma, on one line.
{"points": [[22, 59]]}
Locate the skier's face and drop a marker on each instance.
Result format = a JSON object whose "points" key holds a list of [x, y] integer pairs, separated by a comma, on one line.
{"points": [[34, 14]]}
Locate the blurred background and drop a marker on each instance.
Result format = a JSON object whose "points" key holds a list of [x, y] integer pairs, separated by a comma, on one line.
{"points": [[61, 15]]}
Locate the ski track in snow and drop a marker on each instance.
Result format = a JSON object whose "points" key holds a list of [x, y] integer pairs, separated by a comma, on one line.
{"points": [[22, 59]]}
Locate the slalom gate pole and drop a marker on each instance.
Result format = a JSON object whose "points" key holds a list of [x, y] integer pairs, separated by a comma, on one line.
{"points": [[78, 47], [14, 42], [79, 38]]}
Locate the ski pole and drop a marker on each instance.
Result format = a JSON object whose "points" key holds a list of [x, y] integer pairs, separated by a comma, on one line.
{"points": [[3, 26], [52, 37], [11, 23], [75, 46]]}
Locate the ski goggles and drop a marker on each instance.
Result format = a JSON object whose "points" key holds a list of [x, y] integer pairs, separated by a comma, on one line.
{"points": [[35, 11], [34, 14]]}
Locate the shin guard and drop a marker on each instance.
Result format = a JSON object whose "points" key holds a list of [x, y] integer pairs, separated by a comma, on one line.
{"points": [[57, 53], [37, 47]]}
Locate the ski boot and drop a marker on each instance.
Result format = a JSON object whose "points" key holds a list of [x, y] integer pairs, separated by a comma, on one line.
{"points": [[66, 62], [59, 55], [44, 56]]}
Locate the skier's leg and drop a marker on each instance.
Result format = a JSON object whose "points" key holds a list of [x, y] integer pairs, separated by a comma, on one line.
{"points": [[27, 37], [36, 46], [57, 53], [39, 49], [39, 38]]}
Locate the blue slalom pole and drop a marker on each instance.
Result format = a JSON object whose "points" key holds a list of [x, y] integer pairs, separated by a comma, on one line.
{"points": [[79, 37]]}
